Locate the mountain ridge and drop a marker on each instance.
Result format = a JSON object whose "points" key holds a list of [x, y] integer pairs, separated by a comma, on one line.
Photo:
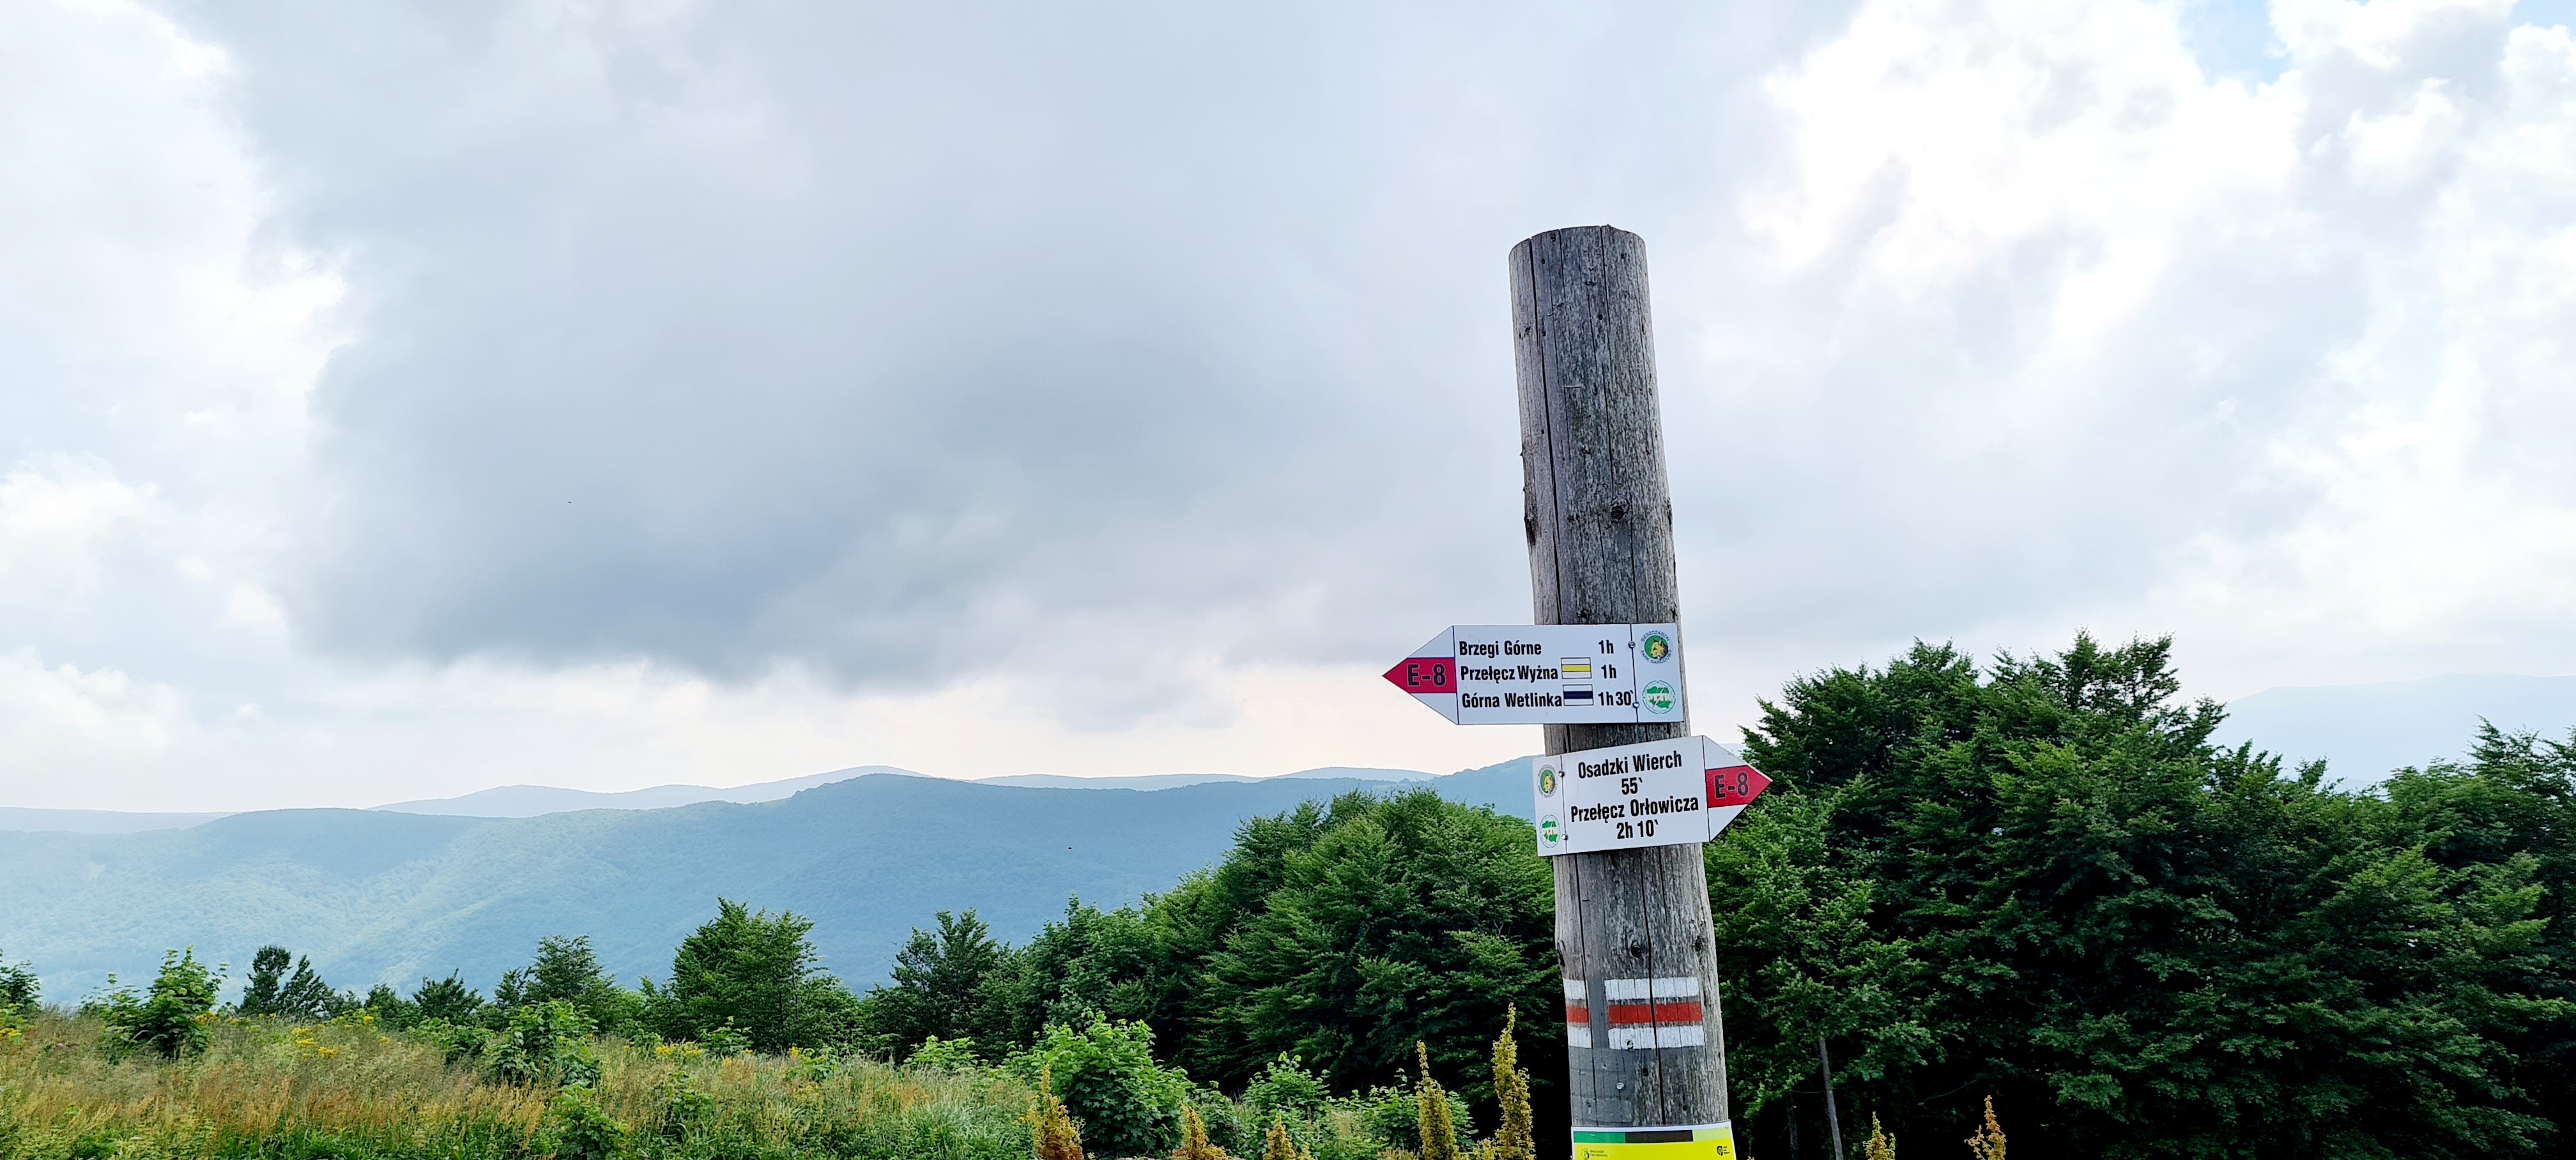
{"points": [[390, 896]]}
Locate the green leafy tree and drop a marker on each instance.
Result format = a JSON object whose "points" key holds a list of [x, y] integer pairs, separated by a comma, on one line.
{"points": [[1380, 923], [390, 1009], [756, 975], [275, 989], [944, 983], [566, 970], [447, 999], [171, 1019], [2043, 880]]}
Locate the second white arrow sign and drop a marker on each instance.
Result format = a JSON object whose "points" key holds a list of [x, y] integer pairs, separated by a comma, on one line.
{"points": [[1548, 674]]}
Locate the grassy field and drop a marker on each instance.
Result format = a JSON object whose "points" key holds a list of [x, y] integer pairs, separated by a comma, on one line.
{"points": [[270, 1088]]}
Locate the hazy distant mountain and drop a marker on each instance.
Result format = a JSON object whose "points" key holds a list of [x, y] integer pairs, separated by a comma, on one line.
{"points": [[1364, 773], [2365, 731], [389, 895], [1170, 780], [1129, 781], [528, 801], [95, 821]]}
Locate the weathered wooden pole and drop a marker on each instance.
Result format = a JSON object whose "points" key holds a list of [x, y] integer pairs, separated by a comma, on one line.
{"points": [[1632, 925]]}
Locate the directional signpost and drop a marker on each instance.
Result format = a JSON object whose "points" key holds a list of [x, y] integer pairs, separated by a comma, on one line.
{"points": [[1548, 674], [1651, 793], [1626, 795]]}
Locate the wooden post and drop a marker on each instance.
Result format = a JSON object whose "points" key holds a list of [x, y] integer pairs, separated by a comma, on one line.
{"points": [[1599, 518]]}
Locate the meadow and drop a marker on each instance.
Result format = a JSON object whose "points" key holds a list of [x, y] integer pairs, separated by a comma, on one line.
{"points": [[267, 1087]]}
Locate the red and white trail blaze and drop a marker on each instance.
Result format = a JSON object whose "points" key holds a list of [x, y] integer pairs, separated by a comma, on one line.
{"points": [[1642, 1013]]}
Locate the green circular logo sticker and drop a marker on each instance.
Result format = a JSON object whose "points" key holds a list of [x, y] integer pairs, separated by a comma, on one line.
{"points": [[1659, 698], [1657, 647], [1546, 781], [1550, 835]]}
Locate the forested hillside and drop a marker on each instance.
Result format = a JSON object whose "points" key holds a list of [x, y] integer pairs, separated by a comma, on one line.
{"points": [[376, 895]]}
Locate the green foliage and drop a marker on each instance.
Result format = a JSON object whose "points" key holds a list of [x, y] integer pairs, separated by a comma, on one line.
{"points": [[577, 1129], [543, 1043], [725, 1040], [1106, 1075], [565, 970], [362, 1096], [1345, 937], [456, 1042], [18, 985], [944, 983], [447, 999], [685, 1110], [1285, 1089], [750, 974], [938, 1054], [169, 1020], [391, 1011], [273, 990], [2043, 881]]}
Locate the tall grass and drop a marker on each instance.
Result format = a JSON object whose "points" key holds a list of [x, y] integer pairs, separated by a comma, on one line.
{"points": [[266, 1088]]}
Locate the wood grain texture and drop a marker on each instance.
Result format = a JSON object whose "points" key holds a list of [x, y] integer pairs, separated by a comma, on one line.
{"points": [[1598, 515]]}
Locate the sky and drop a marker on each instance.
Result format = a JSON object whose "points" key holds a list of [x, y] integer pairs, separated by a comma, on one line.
{"points": [[400, 400]]}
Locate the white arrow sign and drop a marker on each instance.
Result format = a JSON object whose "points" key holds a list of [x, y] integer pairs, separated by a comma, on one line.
{"points": [[1651, 793], [1548, 674]]}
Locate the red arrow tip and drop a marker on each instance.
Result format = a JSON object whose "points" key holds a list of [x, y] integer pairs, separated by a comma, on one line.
{"points": [[1424, 675], [1735, 785]]}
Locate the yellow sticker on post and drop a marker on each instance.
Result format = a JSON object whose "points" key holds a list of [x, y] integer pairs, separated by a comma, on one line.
{"points": [[1677, 1142]]}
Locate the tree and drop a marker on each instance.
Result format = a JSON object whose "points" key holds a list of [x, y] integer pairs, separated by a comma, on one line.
{"points": [[941, 987], [1386, 923], [756, 973], [566, 970], [447, 999], [273, 990], [2044, 880]]}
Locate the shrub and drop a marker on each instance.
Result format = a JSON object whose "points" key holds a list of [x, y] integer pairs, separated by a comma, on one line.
{"points": [[685, 1109], [456, 1043], [1439, 1129], [1514, 1139], [1106, 1076], [1286, 1088], [1987, 1142], [545, 1043], [946, 1054], [1051, 1129], [579, 1130], [18, 987], [171, 1019]]}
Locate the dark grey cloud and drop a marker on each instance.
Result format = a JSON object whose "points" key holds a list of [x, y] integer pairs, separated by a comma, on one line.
{"points": [[905, 340]]}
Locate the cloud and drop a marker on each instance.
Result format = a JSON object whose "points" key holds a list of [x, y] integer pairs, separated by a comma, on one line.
{"points": [[666, 391]]}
